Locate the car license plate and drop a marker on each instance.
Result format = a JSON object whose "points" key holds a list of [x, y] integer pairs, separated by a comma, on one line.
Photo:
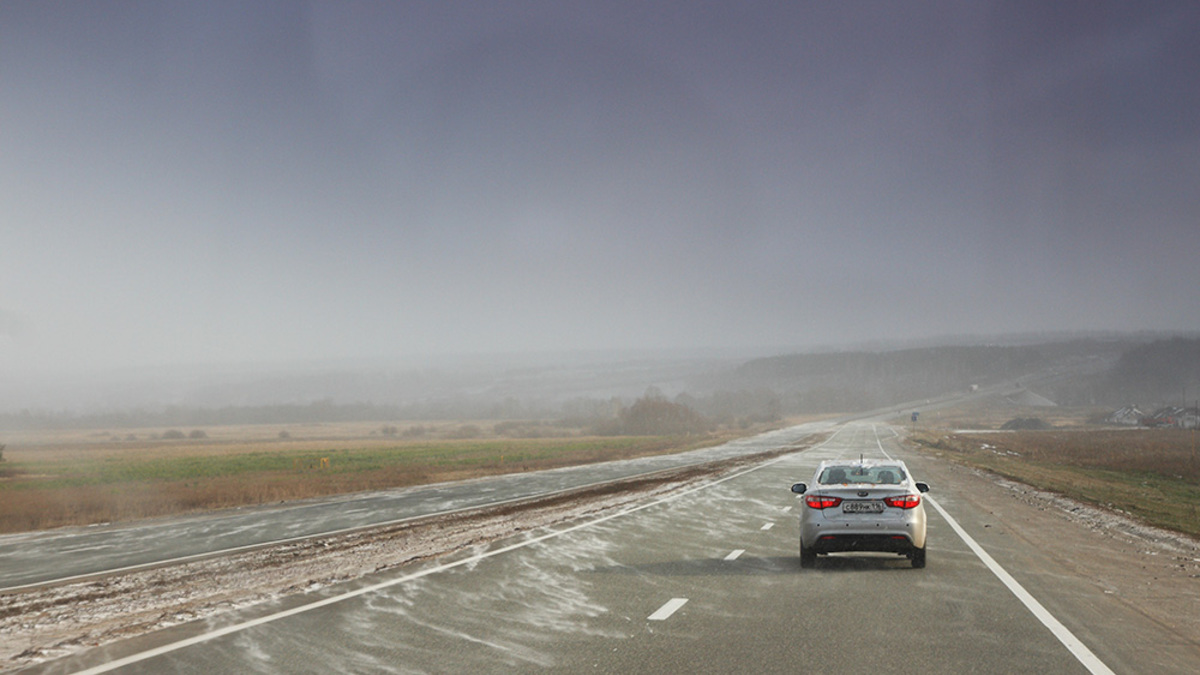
{"points": [[862, 507]]}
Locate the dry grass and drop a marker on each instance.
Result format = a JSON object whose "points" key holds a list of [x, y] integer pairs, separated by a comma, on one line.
{"points": [[992, 414], [84, 477], [1153, 474]]}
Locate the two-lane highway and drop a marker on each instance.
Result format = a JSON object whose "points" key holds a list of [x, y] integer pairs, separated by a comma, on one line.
{"points": [[71, 553], [706, 580]]}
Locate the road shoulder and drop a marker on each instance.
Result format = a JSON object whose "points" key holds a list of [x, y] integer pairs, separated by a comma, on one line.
{"points": [[1095, 565]]}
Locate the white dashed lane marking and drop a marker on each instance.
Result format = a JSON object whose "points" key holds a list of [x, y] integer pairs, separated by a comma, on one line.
{"points": [[668, 609]]}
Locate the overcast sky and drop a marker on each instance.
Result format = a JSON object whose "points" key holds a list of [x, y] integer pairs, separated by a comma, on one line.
{"points": [[202, 182]]}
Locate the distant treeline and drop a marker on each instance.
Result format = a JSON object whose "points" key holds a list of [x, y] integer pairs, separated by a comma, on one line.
{"points": [[1094, 372], [610, 416], [845, 381], [1159, 373], [289, 413]]}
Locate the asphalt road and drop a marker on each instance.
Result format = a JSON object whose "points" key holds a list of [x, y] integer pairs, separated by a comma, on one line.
{"points": [[66, 554], [704, 581], [69, 553]]}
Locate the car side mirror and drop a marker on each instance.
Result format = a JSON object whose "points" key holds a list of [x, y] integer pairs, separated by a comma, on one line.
{"points": [[922, 487], [799, 488]]}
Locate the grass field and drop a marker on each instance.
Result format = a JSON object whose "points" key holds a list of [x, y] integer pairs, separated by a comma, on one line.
{"points": [[1152, 474], [83, 477]]}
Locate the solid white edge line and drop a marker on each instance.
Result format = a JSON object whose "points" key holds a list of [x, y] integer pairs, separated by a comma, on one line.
{"points": [[217, 553], [734, 554], [154, 564], [668, 609], [1064, 635], [330, 533], [1073, 644], [175, 646]]}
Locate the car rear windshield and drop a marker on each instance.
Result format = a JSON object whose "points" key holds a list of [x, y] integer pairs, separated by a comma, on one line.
{"points": [[879, 475]]}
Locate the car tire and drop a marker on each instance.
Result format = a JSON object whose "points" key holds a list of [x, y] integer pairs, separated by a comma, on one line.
{"points": [[918, 558], [808, 559]]}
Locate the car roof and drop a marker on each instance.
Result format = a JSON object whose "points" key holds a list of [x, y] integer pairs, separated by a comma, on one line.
{"points": [[866, 463]]}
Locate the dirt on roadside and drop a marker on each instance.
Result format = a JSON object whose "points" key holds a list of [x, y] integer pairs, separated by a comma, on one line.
{"points": [[1148, 571], [52, 622], [1153, 572]]}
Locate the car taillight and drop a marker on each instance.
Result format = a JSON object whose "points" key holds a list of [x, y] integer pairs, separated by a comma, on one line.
{"points": [[903, 501], [821, 501]]}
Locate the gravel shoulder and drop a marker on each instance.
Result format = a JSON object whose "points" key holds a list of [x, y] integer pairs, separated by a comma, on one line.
{"points": [[43, 624], [1148, 578], [1151, 572]]}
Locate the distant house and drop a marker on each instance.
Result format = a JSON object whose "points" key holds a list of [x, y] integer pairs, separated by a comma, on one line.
{"points": [[1128, 416], [1163, 417], [1173, 416]]}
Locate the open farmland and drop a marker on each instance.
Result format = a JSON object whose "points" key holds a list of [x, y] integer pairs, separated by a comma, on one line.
{"points": [[78, 478], [994, 412], [1151, 474]]}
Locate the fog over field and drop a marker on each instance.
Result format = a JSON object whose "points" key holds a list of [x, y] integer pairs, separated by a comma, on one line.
{"points": [[229, 187]]}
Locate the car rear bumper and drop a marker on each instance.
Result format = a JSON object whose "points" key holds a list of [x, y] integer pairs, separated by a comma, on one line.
{"points": [[880, 543], [823, 534]]}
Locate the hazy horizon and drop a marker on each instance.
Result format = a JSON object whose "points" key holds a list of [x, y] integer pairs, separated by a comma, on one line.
{"points": [[545, 379], [225, 183]]}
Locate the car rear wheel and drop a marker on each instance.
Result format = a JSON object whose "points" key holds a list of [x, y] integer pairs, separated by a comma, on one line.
{"points": [[918, 558], [808, 559]]}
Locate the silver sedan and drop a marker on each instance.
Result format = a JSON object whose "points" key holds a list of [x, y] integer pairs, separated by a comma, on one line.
{"points": [[862, 505]]}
